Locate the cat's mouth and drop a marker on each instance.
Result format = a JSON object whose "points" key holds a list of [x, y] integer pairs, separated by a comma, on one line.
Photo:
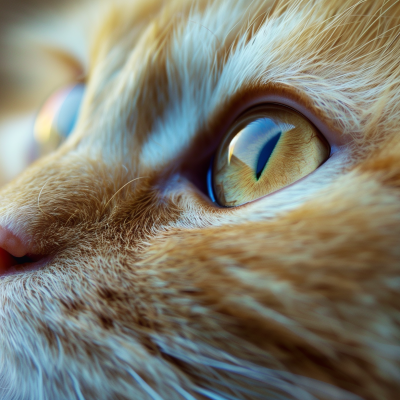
{"points": [[11, 265], [15, 255]]}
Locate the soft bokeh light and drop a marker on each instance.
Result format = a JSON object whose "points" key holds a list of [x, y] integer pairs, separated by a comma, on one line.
{"points": [[37, 58]]}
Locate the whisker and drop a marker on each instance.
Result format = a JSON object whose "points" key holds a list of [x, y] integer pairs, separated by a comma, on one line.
{"points": [[133, 180], [209, 30], [38, 201]]}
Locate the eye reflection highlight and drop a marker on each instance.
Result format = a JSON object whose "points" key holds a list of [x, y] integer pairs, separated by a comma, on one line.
{"points": [[255, 144], [268, 148]]}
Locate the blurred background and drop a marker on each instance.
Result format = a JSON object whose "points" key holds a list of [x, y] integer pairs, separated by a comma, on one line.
{"points": [[40, 51]]}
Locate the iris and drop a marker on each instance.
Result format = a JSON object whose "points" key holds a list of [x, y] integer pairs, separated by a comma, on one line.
{"points": [[266, 149]]}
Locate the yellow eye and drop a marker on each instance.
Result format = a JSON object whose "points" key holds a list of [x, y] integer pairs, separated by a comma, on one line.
{"points": [[268, 148]]}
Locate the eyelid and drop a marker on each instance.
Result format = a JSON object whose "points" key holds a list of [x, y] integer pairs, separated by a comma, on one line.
{"points": [[335, 139], [220, 121], [291, 98]]}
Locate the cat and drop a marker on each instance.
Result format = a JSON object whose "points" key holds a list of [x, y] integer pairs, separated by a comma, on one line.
{"points": [[123, 278]]}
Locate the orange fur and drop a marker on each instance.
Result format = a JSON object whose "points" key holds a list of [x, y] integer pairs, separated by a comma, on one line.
{"points": [[155, 293]]}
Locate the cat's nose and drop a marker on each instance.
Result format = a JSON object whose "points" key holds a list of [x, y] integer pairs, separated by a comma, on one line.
{"points": [[13, 244], [15, 252]]}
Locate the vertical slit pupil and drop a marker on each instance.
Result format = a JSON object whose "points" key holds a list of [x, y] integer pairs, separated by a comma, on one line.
{"points": [[266, 153]]}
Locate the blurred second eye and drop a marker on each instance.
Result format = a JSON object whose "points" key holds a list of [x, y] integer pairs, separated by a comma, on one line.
{"points": [[58, 116]]}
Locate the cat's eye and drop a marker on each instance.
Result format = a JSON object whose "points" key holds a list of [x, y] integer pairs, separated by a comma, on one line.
{"points": [[266, 149], [58, 116]]}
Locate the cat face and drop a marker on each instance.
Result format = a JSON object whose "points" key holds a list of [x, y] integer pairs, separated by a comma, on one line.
{"points": [[137, 285]]}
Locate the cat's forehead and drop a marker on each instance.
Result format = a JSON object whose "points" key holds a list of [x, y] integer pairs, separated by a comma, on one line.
{"points": [[160, 70]]}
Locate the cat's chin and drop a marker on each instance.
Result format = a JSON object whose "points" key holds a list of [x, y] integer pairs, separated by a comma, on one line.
{"points": [[10, 265]]}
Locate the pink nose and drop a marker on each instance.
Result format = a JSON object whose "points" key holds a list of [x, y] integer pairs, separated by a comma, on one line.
{"points": [[12, 244], [13, 252]]}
